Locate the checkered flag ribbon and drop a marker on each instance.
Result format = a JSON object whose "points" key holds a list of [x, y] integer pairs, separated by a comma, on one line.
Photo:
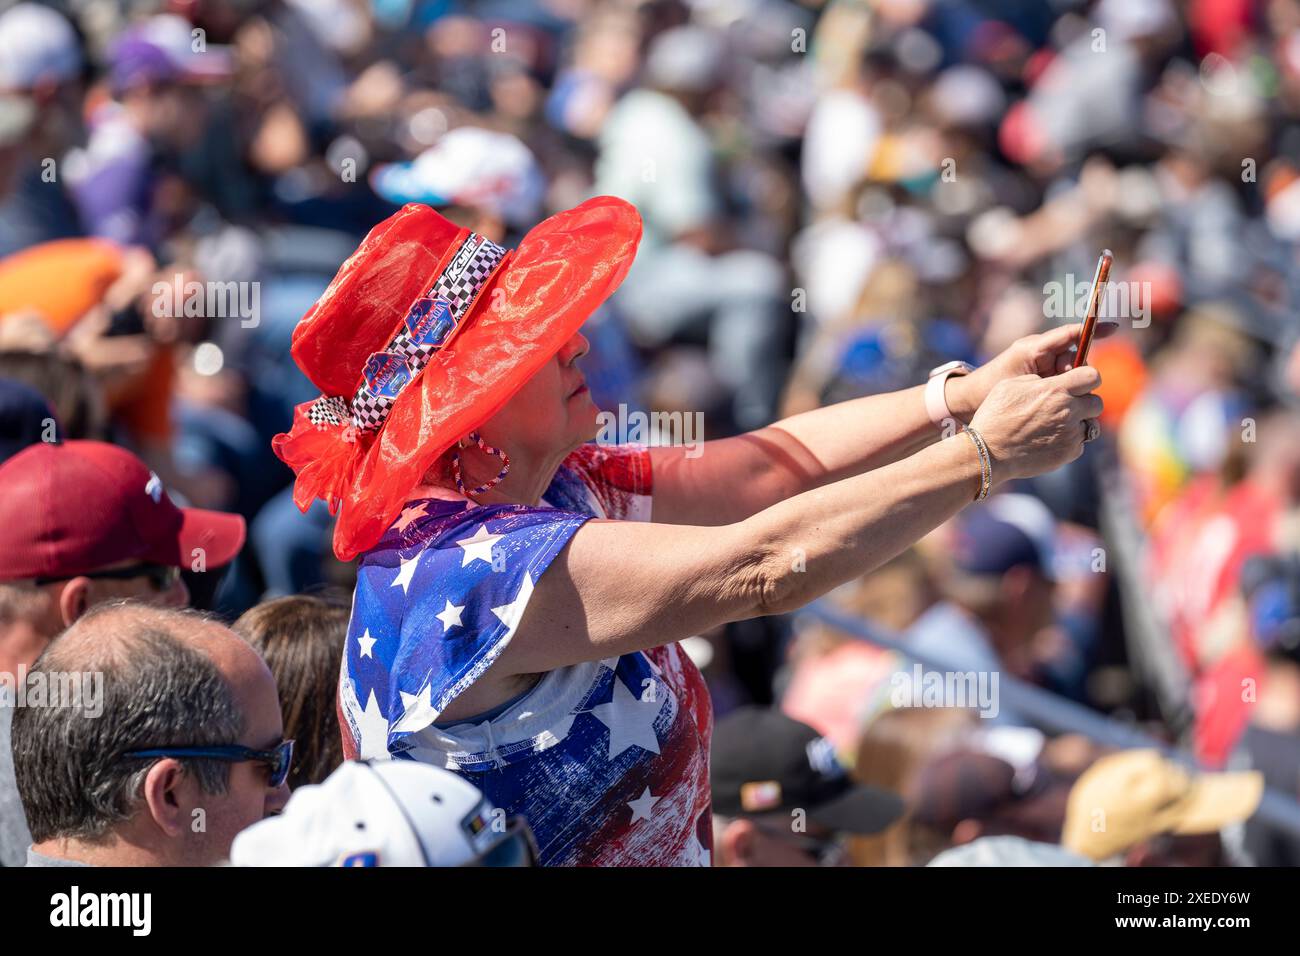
{"points": [[458, 285], [329, 410]]}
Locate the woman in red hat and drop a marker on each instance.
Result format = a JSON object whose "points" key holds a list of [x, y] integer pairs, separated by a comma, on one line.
{"points": [[521, 592]]}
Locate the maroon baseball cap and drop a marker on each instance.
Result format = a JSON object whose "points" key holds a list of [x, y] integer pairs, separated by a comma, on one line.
{"points": [[79, 506]]}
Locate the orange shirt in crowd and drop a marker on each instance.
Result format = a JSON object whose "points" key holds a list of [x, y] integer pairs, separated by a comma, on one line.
{"points": [[62, 281]]}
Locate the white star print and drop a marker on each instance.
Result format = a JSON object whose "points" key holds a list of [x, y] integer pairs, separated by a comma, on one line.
{"points": [[410, 514], [406, 572], [367, 645], [478, 547], [450, 616], [417, 710], [510, 614], [373, 730], [630, 721], [643, 805]]}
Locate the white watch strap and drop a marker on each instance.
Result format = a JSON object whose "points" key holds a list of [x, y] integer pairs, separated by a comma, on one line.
{"points": [[936, 403]]}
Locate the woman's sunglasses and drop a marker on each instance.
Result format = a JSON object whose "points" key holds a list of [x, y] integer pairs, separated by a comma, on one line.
{"points": [[279, 759]]}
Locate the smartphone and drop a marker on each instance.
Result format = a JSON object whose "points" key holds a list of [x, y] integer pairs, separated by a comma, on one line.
{"points": [[1094, 300]]}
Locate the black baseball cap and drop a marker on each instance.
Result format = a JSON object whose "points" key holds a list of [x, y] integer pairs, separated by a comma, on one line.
{"points": [[1012, 531], [765, 762]]}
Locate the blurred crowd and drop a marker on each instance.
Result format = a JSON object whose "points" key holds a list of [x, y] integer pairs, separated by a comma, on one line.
{"points": [[838, 195]]}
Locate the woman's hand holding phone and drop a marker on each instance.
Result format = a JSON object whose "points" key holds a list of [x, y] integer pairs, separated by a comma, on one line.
{"points": [[1036, 396], [1034, 425]]}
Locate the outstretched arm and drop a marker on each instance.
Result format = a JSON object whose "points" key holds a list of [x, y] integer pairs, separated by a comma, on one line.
{"points": [[734, 478], [624, 586]]}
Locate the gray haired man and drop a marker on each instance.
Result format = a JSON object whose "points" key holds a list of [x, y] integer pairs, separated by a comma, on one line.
{"points": [[186, 752]]}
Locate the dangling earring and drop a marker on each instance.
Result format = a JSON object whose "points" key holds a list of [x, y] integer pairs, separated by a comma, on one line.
{"points": [[477, 439]]}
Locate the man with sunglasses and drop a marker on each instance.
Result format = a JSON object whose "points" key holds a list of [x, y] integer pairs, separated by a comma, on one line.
{"points": [[187, 750], [82, 523]]}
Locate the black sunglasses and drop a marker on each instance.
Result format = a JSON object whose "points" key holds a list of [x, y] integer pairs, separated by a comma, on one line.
{"points": [[162, 577], [279, 759]]}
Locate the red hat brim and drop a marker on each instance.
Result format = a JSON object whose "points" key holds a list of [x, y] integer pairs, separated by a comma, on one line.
{"points": [[215, 535], [545, 290]]}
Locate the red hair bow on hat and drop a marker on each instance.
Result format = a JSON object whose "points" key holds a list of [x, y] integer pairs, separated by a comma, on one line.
{"points": [[424, 334]]}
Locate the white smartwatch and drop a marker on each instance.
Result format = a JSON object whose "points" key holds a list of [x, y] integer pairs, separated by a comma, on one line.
{"points": [[936, 404]]}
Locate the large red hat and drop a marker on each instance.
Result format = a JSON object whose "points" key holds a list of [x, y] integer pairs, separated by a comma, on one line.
{"points": [[424, 334]]}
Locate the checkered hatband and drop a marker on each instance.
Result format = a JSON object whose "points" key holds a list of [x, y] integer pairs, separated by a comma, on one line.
{"points": [[329, 410], [450, 297]]}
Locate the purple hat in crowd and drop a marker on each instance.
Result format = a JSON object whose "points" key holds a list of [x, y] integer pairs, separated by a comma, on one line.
{"points": [[165, 49]]}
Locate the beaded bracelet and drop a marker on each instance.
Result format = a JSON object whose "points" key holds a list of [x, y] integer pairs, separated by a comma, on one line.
{"points": [[986, 463]]}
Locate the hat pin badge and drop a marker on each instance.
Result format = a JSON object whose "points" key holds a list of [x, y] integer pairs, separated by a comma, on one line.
{"points": [[386, 374], [759, 795], [430, 321]]}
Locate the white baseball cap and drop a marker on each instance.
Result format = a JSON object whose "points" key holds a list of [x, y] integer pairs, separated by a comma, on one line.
{"points": [[36, 45], [387, 813], [470, 166]]}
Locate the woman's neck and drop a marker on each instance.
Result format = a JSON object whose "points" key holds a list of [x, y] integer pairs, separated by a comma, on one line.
{"points": [[524, 484]]}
